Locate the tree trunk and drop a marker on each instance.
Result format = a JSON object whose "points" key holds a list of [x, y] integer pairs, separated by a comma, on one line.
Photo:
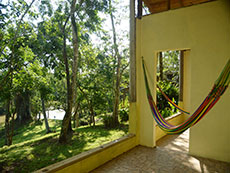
{"points": [[67, 117], [8, 139], [75, 55], [70, 130], [117, 95], [44, 114], [66, 123], [161, 66], [75, 50], [9, 124], [117, 85], [76, 116], [77, 119], [23, 108], [92, 113]]}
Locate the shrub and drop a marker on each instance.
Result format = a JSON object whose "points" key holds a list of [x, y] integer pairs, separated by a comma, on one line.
{"points": [[108, 121], [83, 122], [162, 104], [2, 111], [124, 115]]}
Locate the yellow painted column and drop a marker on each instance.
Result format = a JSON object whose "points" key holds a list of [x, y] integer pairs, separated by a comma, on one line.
{"points": [[145, 120]]}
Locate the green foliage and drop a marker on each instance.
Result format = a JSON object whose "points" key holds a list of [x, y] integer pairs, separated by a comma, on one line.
{"points": [[108, 121], [170, 67], [2, 111], [162, 104], [124, 115], [31, 52], [84, 119], [170, 82], [38, 54]]}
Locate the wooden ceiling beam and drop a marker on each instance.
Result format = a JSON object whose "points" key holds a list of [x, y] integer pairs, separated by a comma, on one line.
{"points": [[159, 7], [156, 6], [147, 4]]}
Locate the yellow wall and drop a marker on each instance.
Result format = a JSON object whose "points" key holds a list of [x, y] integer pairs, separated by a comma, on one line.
{"points": [[211, 137], [87, 161], [205, 30], [145, 120]]}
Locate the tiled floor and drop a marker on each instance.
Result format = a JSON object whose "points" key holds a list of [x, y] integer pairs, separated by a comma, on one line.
{"points": [[170, 156]]}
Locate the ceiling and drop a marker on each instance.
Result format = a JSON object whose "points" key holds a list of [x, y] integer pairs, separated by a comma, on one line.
{"points": [[156, 6]]}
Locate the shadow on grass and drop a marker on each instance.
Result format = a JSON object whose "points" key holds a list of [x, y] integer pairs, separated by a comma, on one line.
{"points": [[29, 131], [36, 155]]}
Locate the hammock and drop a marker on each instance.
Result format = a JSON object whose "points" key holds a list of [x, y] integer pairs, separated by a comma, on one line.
{"points": [[170, 101], [218, 89]]}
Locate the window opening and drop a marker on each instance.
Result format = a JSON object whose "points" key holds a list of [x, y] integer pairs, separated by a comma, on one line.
{"points": [[170, 81]]}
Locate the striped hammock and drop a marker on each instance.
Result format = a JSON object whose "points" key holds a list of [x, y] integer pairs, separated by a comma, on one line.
{"points": [[218, 89], [170, 101]]}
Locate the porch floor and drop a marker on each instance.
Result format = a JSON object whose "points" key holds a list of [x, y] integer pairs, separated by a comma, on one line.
{"points": [[170, 156]]}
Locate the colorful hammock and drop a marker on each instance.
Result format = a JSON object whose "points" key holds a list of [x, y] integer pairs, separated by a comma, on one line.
{"points": [[218, 89], [170, 101]]}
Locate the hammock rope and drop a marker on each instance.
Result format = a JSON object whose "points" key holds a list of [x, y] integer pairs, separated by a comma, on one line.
{"points": [[170, 101], [218, 89]]}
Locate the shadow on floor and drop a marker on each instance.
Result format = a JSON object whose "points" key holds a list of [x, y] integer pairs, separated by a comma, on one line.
{"points": [[170, 156]]}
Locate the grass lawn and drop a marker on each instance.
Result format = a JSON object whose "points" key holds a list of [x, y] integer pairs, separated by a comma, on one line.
{"points": [[33, 149]]}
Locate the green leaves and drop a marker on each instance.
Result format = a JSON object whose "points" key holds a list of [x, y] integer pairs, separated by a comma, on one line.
{"points": [[170, 82], [27, 78], [32, 48], [45, 8]]}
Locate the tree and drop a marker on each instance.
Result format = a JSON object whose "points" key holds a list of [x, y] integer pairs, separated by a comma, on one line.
{"points": [[161, 67], [45, 90], [53, 63], [117, 56], [12, 47], [13, 40], [66, 126], [83, 10]]}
